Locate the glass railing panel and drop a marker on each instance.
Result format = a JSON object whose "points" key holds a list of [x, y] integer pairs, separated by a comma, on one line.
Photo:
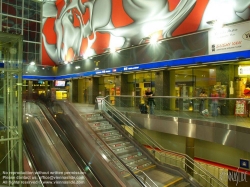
{"points": [[232, 111]]}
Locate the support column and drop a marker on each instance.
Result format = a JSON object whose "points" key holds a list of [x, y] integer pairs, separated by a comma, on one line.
{"points": [[30, 89], [165, 86], [190, 154], [225, 74], [80, 91], [93, 90]]}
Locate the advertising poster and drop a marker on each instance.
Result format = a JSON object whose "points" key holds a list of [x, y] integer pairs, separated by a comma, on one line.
{"points": [[229, 39], [240, 108], [77, 29]]}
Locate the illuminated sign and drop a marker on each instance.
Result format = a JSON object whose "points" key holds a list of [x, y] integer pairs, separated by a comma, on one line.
{"points": [[244, 70]]}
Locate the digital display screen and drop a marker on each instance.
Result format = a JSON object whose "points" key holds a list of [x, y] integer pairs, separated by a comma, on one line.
{"points": [[60, 83]]}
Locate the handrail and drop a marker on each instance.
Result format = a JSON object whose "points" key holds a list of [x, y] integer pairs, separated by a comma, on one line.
{"points": [[27, 154], [181, 97], [155, 144]]}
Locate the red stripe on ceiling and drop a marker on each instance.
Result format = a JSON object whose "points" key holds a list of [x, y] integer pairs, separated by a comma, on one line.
{"points": [[192, 21], [172, 4], [48, 30], [119, 16], [101, 43]]}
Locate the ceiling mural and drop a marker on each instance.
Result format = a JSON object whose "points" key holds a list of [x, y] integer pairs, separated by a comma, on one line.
{"points": [[82, 28]]}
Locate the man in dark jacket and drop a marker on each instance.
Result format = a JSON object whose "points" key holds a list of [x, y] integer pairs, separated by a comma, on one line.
{"points": [[150, 100]]}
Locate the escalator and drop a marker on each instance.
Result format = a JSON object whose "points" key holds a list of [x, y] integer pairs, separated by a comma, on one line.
{"points": [[51, 161], [83, 150], [124, 151]]}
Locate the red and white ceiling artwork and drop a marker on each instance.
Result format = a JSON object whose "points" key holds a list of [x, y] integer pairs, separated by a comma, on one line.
{"points": [[81, 28]]}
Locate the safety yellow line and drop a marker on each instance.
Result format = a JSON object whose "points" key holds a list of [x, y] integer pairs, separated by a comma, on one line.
{"points": [[173, 182]]}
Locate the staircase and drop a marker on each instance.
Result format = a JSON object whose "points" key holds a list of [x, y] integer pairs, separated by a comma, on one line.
{"points": [[129, 154]]}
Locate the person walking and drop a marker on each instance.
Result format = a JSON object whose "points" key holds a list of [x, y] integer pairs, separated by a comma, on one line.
{"points": [[150, 100], [202, 100], [215, 101]]}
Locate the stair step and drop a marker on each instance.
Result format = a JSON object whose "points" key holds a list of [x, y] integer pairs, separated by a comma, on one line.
{"points": [[122, 148], [141, 165], [108, 133], [151, 166], [174, 181], [103, 128], [119, 139], [94, 118], [131, 150], [135, 160], [183, 184], [118, 144], [112, 137], [89, 115], [129, 156], [99, 123]]}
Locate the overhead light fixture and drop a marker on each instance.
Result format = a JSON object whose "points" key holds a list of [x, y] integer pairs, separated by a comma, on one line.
{"points": [[77, 67], [112, 50], [32, 63], [176, 68]]}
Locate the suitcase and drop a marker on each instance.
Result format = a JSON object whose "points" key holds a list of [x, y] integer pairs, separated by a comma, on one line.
{"points": [[143, 109], [224, 109]]}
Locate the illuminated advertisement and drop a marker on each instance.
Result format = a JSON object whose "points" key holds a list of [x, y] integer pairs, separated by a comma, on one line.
{"points": [[229, 38], [78, 29]]}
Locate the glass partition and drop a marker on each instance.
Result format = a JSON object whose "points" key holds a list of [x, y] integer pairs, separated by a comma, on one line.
{"points": [[232, 111], [11, 106]]}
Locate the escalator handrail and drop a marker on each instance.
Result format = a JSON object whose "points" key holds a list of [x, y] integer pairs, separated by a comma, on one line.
{"points": [[27, 154]]}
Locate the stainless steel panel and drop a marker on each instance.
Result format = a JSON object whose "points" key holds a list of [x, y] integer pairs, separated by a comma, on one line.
{"points": [[204, 133], [186, 128], [242, 141], [161, 125], [224, 134]]}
